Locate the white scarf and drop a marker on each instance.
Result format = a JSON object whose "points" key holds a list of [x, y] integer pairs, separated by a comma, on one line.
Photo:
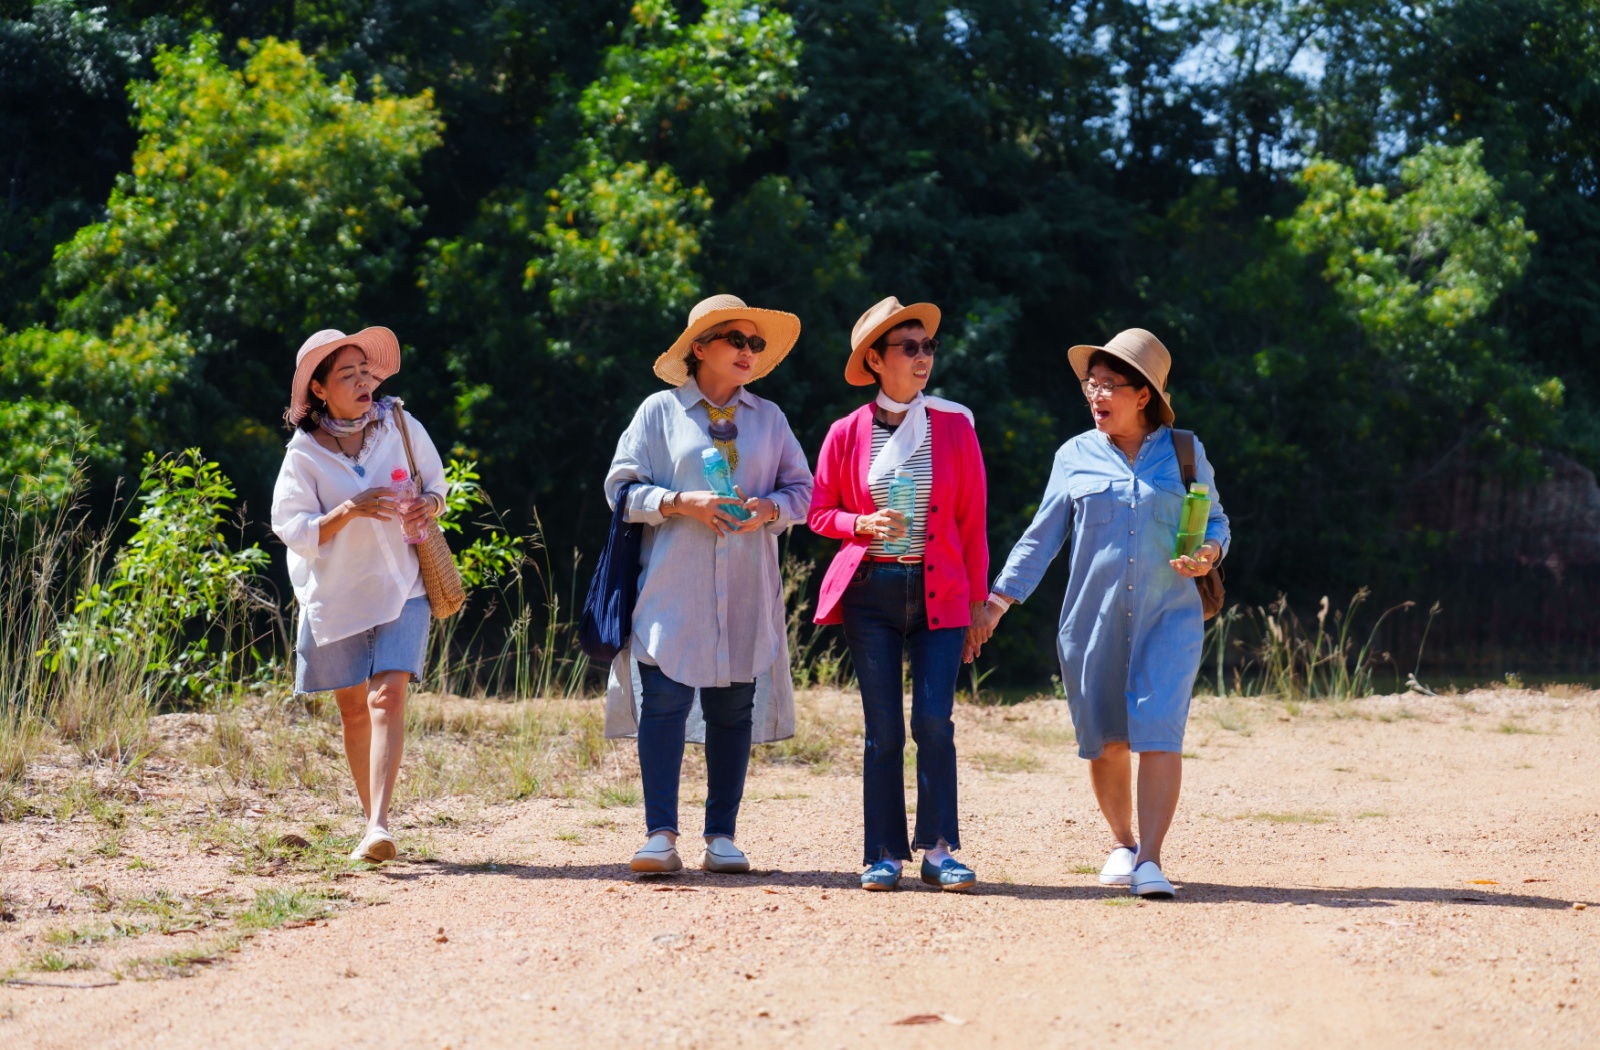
{"points": [[911, 434]]}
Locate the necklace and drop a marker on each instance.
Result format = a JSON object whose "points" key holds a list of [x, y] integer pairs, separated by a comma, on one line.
{"points": [[338, 439]]}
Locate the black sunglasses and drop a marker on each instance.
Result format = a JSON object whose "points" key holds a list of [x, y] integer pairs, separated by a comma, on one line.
{"points": [[912, 348], [738, 340]]}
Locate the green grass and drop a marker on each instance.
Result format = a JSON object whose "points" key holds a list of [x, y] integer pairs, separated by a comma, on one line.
{"points": [[274, 907], [1005, 762], [623, 793], [1371, 814], [1512, 728], [1085, 869], [1301, 817], [59, 962]]}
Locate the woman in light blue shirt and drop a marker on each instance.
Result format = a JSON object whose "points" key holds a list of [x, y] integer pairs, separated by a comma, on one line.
{"points": [[708, 659], [1131, 626]]}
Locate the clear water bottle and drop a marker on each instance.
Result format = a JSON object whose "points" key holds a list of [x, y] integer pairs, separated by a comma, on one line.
{"points": [[405, 497], [903, 498], [1193, 519], [720, 480]]}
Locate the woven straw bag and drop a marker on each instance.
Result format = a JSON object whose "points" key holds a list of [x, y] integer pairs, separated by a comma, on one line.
{"points": [[440, 577]]}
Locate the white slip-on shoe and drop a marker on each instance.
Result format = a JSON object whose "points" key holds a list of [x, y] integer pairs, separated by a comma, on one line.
{"points": [[1119, 866], [1147, 881], [723, 857], [376, 846], [658, 854]]}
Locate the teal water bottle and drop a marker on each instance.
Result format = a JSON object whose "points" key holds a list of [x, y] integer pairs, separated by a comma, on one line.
{"points": [[903, 498], [1192, 521], [720, 480]]}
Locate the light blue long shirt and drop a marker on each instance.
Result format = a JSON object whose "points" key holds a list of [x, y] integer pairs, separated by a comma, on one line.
{"points": [[1131, 628], [710, 608]]}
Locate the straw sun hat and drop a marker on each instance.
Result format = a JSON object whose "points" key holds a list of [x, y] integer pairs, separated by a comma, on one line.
{"points": [[383, 361], [779, 329], [871, 326], [1141, 350]]}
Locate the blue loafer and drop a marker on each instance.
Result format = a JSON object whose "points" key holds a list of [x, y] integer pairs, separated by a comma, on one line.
{"points": [[952, 875], [881, 876]]}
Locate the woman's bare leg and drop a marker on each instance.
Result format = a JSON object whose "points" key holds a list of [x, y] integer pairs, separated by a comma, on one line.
{"points": [[1160, 778], [1112, 777], [357, 726], [386, 705]]}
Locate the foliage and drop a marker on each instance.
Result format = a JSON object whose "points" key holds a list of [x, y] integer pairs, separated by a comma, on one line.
{"points": [[1368, 257], [175, 587], [260, 197]]}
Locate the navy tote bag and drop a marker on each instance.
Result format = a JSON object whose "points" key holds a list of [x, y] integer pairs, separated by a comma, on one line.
{"points": [[607, 621]]}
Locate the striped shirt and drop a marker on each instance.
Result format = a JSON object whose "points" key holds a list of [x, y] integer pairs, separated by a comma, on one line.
{"points": [[920, 467]]}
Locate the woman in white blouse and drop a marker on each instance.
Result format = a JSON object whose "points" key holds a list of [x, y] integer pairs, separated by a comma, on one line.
{"points": [[363, 629], [708, 626]]}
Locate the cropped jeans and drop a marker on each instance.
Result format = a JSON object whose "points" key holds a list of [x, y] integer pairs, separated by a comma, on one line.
{"points": [[663, 714], [885, 615]]}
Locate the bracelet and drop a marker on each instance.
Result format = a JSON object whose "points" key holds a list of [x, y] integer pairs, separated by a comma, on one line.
{"points": [[669, 502], [776, 513]]}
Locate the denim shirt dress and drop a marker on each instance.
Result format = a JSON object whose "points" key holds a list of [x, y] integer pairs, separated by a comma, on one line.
{"points": [[1131, 628]]}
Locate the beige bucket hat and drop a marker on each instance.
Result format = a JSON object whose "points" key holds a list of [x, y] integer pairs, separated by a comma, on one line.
{"points": [[1140, 349], [870, 327], [779, 329], [383, 359]]}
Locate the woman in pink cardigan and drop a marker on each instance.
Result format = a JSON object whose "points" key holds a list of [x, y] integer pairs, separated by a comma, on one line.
{"points": [[904, 582]]}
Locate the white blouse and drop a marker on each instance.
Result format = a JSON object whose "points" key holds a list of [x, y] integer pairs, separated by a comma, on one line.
{"points": [[363, 576]]}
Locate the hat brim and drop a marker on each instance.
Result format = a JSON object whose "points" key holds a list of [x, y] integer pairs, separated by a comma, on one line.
{"points": [[781, 331], [856, 372], [383, 360], [1078, 358]]}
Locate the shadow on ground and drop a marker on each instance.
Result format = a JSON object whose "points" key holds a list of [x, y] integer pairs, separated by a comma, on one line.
{"points": [[1189, 892]]}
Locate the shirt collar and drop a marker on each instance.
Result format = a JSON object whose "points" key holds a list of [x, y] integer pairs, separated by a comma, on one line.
{"points": [[689, 395]]}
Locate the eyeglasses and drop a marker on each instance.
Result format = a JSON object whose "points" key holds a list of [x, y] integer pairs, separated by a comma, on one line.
{"points": [[911, 348], [1094, 388], [738, 340]]}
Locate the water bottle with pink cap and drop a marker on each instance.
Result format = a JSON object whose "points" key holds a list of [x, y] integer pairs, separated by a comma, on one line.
{"points": [[405, 496]]}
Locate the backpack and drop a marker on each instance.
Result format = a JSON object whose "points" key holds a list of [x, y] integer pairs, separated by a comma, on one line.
{"points": [[1209, 585]]}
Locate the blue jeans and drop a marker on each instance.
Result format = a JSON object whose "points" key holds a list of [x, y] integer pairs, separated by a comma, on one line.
{"points": [[664, 712], [885, 614]]}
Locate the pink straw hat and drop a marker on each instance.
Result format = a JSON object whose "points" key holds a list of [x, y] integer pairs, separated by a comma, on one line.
{"points": [[383, 359]]}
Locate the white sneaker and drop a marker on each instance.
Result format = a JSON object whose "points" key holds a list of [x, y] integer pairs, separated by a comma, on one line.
{"points": [[723, 856], [377, 846], [1147, 881], [1119, 867], [658, 854]]}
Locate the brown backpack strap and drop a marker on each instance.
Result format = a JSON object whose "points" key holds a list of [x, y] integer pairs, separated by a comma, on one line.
{"points": [[1183, 445]]}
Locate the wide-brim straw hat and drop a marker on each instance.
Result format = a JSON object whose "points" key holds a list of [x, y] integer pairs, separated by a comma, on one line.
{"points": [[1140, 349], [870, 326], [780, 330], [383, 361]]}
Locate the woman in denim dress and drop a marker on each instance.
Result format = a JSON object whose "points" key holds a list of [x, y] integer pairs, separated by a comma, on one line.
{"points": [[1131, 626]]}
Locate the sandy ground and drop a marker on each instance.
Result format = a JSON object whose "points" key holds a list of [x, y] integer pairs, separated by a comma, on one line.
{"points": [[1399, 872]]}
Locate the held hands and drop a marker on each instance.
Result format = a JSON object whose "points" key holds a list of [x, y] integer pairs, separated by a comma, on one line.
{"points": [[1200, 562], [881, 525], [985, 618]]}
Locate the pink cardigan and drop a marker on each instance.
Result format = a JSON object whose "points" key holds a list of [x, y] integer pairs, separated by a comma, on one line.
{"points": [[956, 556]]}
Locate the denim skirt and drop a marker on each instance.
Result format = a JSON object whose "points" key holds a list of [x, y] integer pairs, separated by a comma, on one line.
{"points": [[399, 645]]}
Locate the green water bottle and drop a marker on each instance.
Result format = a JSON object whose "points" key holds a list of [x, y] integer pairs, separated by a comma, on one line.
{"points": [[1192, 521]]}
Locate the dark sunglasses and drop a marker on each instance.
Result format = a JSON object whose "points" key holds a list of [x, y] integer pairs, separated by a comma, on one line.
{"points": [[738, 340], [912, 348]]}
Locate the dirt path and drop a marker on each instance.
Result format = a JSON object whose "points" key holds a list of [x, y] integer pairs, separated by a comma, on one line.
{"points": [[1401, 872]]}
